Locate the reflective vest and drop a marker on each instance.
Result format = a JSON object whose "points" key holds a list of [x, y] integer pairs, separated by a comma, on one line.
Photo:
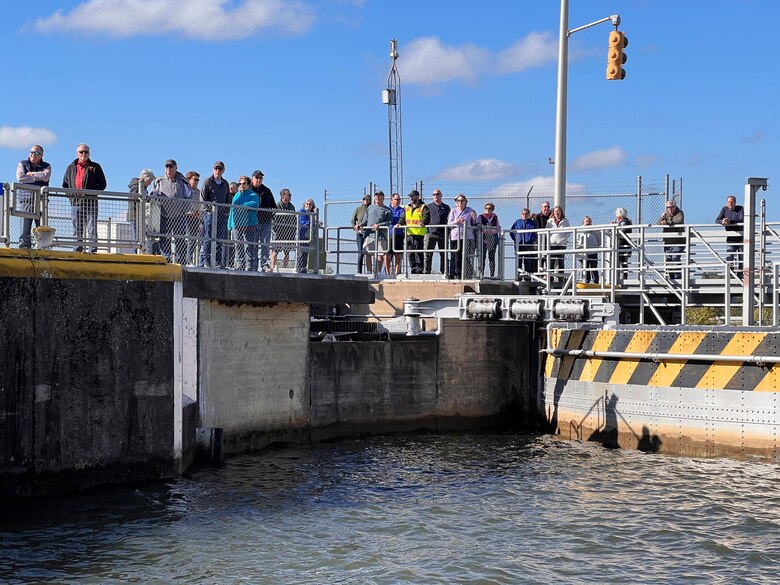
{"points": [[414, 217]]}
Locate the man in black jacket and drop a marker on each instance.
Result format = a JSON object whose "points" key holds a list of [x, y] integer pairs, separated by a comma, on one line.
{"points": [[84, 173], [437, 236], [215, 189], [265, 218]]}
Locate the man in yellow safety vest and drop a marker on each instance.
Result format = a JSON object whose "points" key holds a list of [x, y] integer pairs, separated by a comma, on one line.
{"points": [[416, 217]]}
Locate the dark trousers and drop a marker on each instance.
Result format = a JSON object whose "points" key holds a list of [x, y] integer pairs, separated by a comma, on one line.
{"points": [[462, 260], [527, 261], [360, 239], [489, 250], [25, 239], [673, 255], [432, 241], [591, 264], [416, 242]]}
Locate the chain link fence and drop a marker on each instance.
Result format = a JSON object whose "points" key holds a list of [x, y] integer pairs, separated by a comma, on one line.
{"points": [[643, 199]]}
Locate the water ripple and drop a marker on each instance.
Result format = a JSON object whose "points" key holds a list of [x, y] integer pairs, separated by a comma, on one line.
{"points": [[480, 508]]}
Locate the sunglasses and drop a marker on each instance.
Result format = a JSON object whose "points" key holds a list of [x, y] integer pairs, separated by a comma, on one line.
{"points": [[83, 152], [168, 166], [243, 182], [219, 168]]}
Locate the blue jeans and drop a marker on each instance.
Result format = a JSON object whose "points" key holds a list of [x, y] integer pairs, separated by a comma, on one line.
{"points": [[205, 250], [85, 214], [734, 255], [673, 254], [246, 248], [264, 237]]}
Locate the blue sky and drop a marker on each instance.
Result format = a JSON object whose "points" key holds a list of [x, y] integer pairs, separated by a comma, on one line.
{"points": [[293, 88]]}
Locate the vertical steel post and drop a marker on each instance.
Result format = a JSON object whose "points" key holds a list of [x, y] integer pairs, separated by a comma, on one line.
{"points": [[560, 110], [749, 248]]}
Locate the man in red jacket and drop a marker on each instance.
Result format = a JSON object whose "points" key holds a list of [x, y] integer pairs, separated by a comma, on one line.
{"points": [[83, 173]]}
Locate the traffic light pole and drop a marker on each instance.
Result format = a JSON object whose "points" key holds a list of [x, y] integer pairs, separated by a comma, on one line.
{"points": [[561, 108]]}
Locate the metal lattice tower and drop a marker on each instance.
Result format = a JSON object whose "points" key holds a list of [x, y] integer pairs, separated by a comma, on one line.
{"points": [[392, 97]]}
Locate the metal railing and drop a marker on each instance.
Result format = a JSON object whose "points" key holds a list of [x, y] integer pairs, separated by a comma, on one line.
{"points": [[192, 233], [693, 267]]}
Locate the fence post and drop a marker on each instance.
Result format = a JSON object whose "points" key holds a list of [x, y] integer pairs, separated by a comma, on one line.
{"points": [[639, 199]]}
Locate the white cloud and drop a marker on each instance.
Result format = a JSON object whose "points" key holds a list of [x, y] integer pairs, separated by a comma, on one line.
{"points": [[485, 169], [599, 159], [22, 136], [428, 60], [543, 186], [213, 20], [535, 50]]}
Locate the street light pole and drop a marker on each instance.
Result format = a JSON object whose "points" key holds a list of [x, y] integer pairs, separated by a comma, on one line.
{"points": [[560, 110], [562, 102]]}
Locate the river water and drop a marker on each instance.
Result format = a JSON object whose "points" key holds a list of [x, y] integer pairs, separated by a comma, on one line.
{"points": [[473, 508]]}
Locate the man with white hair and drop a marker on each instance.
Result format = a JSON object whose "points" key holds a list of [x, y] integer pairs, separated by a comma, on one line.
{"points": [[84, 173]]}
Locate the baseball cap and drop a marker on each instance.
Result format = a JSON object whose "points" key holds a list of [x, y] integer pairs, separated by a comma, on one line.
{"points": [[170, 161], [219, 165], [258, 174]]}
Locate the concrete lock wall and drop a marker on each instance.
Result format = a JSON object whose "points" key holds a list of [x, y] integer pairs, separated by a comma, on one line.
{"points": [[473, 375], [261, 380], [252, 365], [86, 383]]}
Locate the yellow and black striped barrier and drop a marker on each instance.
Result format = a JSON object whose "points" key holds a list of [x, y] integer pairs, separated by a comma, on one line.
{"points": [[667, 358]]}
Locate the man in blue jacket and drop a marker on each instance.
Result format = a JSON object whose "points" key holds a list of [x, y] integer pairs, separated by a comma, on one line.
{"points": [[525, 242]]}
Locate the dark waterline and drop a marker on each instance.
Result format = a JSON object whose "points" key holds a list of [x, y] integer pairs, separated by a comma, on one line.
{"points": [[477, 508]]}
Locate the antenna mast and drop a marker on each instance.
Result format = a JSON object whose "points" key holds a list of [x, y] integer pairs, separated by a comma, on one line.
{"points": [[392, 98]]}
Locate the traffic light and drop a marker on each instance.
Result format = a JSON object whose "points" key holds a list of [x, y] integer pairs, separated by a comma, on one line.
{"points": [[616, 56]]}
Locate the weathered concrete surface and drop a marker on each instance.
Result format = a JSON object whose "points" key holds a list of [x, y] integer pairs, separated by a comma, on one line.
{"points": [[252, 371], [373, 386], [487, 372], [257, 287], [86, 383]]}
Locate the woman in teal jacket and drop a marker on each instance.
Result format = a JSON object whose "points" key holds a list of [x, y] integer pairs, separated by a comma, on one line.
{"points": [[242, 224]]}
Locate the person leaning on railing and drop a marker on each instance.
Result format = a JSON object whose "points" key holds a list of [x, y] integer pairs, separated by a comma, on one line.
{"points": [[674, 246], [84, 173], [30, 171], [525, 241], [732, 216]]}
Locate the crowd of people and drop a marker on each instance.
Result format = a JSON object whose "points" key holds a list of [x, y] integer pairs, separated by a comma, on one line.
{"points": [[244, 211], [418, 228]]}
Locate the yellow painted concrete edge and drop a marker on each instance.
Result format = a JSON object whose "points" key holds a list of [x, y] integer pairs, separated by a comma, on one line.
{"points": [[76, 265]]}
